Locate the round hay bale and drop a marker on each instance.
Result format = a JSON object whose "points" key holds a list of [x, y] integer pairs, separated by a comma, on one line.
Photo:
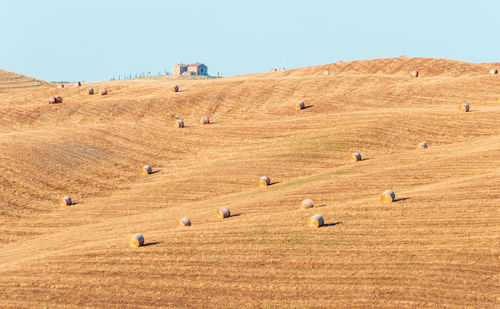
{"points": [[282, 69], [414, 73], [205, 120], [299, 105], [179, 123], [103, 91], [91, 91], [223, 212], [77, 84], [60, 86], [264, 181], [146, 170], [174, 88], [65, 201], [307, 203], [326, 72], [59, 99], [273, 70], [464, 108], [52, 100], [493, 71], [184, 222], [136, 240], [355, 157], [316, 221], [387, 197], [422, 146]]}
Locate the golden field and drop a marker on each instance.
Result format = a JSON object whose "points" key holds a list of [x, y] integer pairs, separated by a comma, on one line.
{"points": [[437, 245]]}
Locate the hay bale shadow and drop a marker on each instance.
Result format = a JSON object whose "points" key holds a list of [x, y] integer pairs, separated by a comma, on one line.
{"points": [[308, 106], [151, 243], [154, 172], [332, 224], [273, 183], [401, 199], [235, 215]]}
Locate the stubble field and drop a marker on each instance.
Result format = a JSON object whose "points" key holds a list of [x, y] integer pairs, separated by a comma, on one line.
{"points": [[436, 246]]}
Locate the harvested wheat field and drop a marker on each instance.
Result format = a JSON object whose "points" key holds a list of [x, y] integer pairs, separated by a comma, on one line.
{"points": [[436, 245], [10, 81]]}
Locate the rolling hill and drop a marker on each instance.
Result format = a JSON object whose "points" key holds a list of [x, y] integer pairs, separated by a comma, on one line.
{"points": [[10, 81], [436, 246]]}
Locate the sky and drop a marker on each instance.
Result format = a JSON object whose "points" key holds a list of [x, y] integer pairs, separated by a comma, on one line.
{"points": [[98, 40]]}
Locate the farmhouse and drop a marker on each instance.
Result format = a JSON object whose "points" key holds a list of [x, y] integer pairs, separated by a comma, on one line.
{"points": [[190, 69]]}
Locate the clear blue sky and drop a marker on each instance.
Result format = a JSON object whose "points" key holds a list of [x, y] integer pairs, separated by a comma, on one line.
{"points": [[96, 40]]}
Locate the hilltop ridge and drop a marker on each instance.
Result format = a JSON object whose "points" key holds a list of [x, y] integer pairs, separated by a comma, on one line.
{"points": [[10, 81], [399, 66]]}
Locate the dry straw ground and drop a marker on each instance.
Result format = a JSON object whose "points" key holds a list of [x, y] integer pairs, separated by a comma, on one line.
{"points": [[436, 246]]}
